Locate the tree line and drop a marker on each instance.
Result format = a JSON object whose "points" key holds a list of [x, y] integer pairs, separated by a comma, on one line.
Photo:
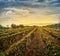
{"points": [[12, 26]]}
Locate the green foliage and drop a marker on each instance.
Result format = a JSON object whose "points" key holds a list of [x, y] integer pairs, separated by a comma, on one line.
{"points": [[15, 41]]}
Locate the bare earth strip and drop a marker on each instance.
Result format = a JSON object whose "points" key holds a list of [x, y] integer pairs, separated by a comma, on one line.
{"points": [[51, 37], [35, 46], [15, 44]]}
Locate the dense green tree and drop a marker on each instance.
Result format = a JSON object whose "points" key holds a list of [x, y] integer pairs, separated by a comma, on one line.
{"points": [[13, 25]]}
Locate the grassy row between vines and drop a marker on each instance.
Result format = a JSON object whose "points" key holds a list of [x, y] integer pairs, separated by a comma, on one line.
{"points": [[18, 45]]}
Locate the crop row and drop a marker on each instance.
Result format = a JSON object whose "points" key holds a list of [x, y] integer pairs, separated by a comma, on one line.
{"points": [[51, 49], [53, 32], [12, 31], [5, 42], [19, 48]]}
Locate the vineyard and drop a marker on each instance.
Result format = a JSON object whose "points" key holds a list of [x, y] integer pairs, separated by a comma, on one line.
{"points": [[30, 41]]}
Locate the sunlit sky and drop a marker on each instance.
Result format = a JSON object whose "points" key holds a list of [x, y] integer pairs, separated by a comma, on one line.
{"points": [[29, 12]]}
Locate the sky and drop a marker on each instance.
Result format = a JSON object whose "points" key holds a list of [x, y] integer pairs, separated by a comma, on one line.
{"points": [[29, 12]]}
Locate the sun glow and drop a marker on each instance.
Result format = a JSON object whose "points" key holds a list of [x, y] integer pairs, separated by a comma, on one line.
{"points": [[27, 17]]}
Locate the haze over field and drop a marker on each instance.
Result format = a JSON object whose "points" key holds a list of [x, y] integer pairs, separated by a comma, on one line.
{"points": [[29, 27], [29, 12]]}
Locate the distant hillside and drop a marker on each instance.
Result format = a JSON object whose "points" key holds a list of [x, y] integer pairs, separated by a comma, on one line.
{"points": [[54, 25]]}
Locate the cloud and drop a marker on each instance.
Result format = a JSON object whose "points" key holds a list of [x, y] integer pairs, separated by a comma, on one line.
{"points": [[13, 13], [40, 0], [35, 9], [29, 3], [17, 10]]}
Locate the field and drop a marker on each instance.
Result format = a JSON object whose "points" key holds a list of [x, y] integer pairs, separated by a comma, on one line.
{"points": [[30, 41]]}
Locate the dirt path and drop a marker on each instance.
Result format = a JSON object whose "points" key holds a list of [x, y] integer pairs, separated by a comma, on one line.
{"points": [[51, 38], [35, 46]]}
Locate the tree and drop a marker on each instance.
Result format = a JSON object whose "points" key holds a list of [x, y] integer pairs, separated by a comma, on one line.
{"points": [[17, 26], [13, 25], [21, 26], [1, 27]]}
